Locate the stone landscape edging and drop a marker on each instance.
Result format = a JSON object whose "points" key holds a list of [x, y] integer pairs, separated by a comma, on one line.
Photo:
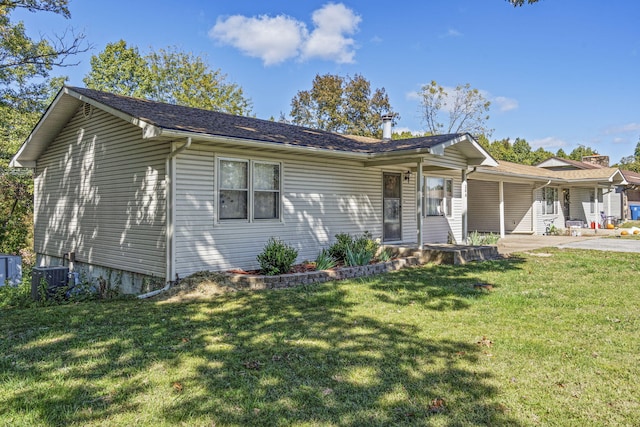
{"points": [[257, 282]]}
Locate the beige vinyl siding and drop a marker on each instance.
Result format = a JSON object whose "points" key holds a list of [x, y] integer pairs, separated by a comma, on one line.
{"points": [[483, 206], [99, 192], [436, 229], [320, 198], [518, 208]]}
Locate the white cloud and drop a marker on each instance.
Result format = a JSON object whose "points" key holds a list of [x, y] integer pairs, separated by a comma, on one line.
{"points": [[505, 104], [276, 39], [328, 41], [548, 142], [629, 127], [271, 39], [451, 32]]}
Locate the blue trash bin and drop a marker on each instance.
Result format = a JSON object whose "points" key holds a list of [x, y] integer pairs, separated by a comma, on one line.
{"points": [[635, 212]]}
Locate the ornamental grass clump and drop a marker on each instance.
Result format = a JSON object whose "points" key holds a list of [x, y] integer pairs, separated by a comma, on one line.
{"points": [[325, 261], [352, 251], [277, 257]]}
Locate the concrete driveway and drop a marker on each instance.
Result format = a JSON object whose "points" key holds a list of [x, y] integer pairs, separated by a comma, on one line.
{"points": [[602, 241]]}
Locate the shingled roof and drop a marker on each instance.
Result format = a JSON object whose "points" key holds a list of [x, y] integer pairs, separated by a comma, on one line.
{"points": [[212, 123]]}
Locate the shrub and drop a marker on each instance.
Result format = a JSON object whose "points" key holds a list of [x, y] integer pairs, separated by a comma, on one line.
{"points": [[360, 246], [338, 250], [384, 255], [358, 256], [325, 261], [277, 257], [479, 239]]}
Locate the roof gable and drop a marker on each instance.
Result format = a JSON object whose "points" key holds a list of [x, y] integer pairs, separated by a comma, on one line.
{"points": [[559, 163]]}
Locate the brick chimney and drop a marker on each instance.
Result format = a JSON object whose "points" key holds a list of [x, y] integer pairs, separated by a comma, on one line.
{"points": [[597, 160]]}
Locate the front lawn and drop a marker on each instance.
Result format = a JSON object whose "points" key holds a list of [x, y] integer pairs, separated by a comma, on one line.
{"points": [[549, 338]]}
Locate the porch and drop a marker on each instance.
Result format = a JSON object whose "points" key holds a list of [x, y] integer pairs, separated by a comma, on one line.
{"points": [[444, 253]]}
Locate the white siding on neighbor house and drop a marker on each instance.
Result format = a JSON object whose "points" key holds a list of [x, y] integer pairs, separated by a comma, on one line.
{"points": [[558, 218], [483, 206], [99, 192], [320, 199], [518, 209], [581, 205]]}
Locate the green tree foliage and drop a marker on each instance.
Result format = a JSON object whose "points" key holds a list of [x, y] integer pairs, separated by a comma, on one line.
{"points": [[25, 91], [119, 69], [517, 3], [560, 153], [341, 104], [517, 152], [631, 163], [465, 110], [26, 62], [166, 75], [580, 151]]}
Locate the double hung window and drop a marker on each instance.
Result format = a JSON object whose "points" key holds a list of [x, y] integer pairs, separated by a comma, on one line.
{"points": [[248, 189]]}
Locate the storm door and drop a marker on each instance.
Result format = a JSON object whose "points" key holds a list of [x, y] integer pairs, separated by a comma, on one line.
{"points": [[392, 207]]}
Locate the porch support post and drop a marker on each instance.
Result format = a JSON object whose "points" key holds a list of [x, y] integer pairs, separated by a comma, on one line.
{"points": [[596, 205], [465, 221], [501, 192], [419, 216]]}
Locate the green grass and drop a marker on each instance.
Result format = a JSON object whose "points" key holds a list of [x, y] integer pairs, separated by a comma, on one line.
{"points": [[556, 341]]}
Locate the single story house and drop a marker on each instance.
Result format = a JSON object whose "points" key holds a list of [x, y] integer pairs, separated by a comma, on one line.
{"points": [[139, 190]]}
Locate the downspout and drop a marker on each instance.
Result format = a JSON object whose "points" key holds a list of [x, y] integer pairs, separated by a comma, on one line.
{"points": [[170, 191], [534, 211]]}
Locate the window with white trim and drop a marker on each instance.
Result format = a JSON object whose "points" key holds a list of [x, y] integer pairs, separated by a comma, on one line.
{"points": [[248, 189], [438, 196], [549, 201]]}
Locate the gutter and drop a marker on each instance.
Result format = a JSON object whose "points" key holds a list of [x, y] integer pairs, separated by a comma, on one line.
{"points": [[170, 241]]}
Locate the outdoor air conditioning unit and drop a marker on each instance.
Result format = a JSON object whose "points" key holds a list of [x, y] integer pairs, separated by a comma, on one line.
{"points": [[53, 280], [10, 270]]}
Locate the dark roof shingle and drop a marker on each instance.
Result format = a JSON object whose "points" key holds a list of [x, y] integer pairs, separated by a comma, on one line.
{"points": [[206, 122]]}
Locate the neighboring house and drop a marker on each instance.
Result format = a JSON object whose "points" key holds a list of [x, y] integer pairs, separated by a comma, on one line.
{"points": [[138, 189], [514, 198]]}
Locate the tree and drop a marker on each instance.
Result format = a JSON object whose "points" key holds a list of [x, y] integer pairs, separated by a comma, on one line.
{"points": [[560, 153], [467, 109], [186, 79], [168, 75], [631, 163], [341, 104], [517, 3], [119, 69], [518, 152], [23, 59], [581, 151], [25, 91]]}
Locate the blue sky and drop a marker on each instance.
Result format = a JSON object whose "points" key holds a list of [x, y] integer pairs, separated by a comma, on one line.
{"points": [[559, 73]]}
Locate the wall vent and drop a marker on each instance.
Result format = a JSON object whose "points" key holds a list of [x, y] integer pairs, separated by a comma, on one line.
{"points": [[87, 110]]}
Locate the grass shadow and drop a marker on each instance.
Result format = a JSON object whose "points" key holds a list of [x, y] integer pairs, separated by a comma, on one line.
{"points": [[311, 355]]}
